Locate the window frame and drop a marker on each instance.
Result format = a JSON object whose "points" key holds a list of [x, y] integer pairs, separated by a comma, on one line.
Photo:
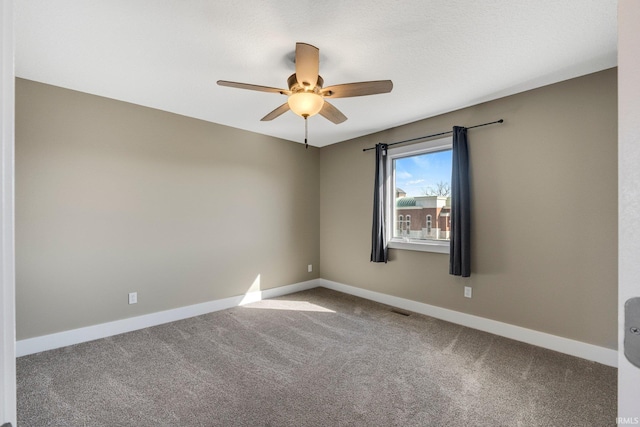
{"points": [[393, 153]]}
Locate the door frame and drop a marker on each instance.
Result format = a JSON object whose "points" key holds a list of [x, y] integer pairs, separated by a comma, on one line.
{"points": [[628, 197], [7, 247]]}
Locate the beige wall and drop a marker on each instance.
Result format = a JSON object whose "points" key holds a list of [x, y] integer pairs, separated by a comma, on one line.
{"points": [[544, 251], [113, 198]]}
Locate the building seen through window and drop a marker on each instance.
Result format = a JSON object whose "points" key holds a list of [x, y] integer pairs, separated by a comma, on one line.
{"points": [[422, 217]]}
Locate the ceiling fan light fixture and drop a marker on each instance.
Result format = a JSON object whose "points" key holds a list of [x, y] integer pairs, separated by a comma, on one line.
{"points": [[305, 104]]}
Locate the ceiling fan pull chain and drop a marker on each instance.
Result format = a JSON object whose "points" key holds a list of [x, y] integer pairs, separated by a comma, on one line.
{"points": [[306, 132]]}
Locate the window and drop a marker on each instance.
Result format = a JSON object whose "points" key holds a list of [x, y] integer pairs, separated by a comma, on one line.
{"points": [[423, 173]]}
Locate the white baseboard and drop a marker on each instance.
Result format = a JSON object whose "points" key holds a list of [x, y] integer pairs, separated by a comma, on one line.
{"points": [[580, 349], [90, 333]]}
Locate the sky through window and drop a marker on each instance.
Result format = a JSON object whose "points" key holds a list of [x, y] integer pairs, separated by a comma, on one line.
{"points": [[415, 174]]}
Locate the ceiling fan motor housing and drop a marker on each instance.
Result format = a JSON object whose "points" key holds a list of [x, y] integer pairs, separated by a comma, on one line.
{"points": [[294, 86]]}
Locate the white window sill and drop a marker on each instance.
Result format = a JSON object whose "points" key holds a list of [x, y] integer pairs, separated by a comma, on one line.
{"points": [[417, 245]]}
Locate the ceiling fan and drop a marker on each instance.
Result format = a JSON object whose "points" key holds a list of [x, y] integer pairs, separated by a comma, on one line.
{"points": [[306, 96]]}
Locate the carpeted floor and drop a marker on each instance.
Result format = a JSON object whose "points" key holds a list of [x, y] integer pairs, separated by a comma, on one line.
{"points": [[315, 358]]}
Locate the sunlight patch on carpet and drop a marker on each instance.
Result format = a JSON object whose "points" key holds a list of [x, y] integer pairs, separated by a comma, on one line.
{"points": [[288, 305]]}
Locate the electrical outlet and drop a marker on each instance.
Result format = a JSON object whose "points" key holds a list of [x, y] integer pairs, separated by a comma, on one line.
{"points": [[133, 298], [310, 268], [467, 291]]}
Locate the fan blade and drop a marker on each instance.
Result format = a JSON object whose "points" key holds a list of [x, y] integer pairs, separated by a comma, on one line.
{"points": [[307, 65], [332, 114], [253, 87], [358, 89], [276, 113]]}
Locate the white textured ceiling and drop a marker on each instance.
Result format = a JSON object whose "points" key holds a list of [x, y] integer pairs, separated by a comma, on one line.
{"points": [[441, 55]]}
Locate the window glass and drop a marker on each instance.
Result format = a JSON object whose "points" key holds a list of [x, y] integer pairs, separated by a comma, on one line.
{"points": [[419, 201]]}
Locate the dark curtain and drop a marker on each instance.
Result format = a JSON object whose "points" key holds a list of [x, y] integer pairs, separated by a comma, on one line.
{"points": [[460, 253], [378, 236]]}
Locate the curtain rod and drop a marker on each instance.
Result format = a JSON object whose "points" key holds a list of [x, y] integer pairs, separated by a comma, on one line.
{"points": [[435, 134]]}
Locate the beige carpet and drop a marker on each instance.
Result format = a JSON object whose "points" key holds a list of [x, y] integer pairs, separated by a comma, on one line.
{"points": [[315, 358]]}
